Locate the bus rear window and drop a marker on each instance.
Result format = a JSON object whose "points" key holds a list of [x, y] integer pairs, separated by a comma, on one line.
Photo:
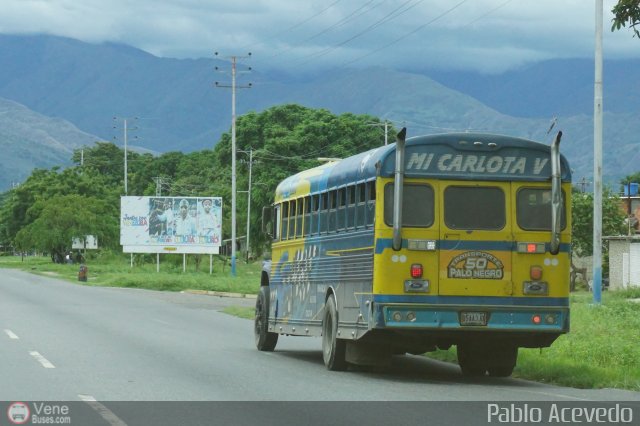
{"points": [[417, 205], [533, 209], [474, 208]]}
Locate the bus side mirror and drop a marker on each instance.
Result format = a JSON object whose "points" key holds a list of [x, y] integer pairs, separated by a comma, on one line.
{"points": [[267, 215]]}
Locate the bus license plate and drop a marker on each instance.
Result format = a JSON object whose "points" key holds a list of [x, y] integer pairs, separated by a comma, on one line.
{"points": [[473, 318]]}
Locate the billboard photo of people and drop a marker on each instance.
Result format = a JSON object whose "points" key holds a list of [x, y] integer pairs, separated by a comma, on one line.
{"points": [[179, 224], [209, 220], [185, 231], [161, 219]]}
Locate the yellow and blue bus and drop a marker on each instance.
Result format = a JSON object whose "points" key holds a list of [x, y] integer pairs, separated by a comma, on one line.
{"points": [[454, 239]]}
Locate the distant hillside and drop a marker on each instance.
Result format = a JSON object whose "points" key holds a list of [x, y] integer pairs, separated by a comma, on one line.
{"points": [[30, 140], [180, 109], [558, 87]]}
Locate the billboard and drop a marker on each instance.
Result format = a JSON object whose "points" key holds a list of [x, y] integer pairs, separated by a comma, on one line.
{"points": [[171, 224]]}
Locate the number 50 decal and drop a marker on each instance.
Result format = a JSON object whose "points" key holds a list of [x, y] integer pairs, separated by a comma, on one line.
{"points": [[476, 265]]}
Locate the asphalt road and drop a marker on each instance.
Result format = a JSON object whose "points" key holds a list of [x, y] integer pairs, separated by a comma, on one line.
{"points": [[98, 349]]}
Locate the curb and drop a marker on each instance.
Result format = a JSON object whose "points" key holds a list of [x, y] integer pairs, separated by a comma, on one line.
{"points": [[220, 294]]}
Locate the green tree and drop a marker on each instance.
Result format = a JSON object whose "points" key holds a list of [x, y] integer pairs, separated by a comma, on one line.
{"points": [[633, 178], [613, 223], [285, 140], [613, 220], [626, 12], [105, 158], [23, 204], [62, 218]]}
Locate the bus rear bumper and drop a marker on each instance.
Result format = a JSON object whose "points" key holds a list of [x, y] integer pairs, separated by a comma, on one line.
{"points": [[537, 319]]}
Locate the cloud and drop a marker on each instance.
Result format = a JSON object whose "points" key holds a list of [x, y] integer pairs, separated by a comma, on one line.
{"points": [[487, 35]]}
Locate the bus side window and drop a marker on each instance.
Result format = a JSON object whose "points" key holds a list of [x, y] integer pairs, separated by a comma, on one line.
{"points": [[313, 217], [275, 222], [351, 207], [285, 220], [371, 203], [417, 205], [360, 205], [292, 219], [533, 209], [341, 209], [333, 199], [324, 212], [299, 217]]}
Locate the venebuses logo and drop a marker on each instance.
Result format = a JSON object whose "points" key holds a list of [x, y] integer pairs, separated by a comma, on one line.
{"points": [[18, 413]]}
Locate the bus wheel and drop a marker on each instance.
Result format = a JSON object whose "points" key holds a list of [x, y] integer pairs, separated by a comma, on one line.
{"points": [[472, 360], [333, 349], [265, 340], [502, 361]]}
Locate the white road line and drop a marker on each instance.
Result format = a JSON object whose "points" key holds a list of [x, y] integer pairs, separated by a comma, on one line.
{"points": [[104, 412], [11, 334], [86, 398], [42, 360]]}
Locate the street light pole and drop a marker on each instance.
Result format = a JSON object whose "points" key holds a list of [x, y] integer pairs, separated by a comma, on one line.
{"points": [[125, 131], [597, 161], [386, 132], [125, 157]]}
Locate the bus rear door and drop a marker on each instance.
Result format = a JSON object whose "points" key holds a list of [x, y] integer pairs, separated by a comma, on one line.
{"points": [[475, 239]]}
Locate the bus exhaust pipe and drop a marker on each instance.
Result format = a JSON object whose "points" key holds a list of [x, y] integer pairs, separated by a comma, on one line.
{"points": [[398, 187], [556, 195]]}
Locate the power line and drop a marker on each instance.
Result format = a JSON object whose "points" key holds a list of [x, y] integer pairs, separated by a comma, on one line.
{"points": [[420, 27], [353, 15], [500, 6], [294, 26], [387, 18], [390, 16]]}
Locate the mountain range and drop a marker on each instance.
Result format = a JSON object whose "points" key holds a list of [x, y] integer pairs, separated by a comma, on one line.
{"points": [[59, 94]]}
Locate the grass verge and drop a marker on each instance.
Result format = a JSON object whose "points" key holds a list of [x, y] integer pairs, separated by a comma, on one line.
{"points": [[113, 270], [240, 311], [601, 351]]}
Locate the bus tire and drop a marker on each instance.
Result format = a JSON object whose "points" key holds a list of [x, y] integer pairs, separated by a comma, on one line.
{"points": [[502, 361], [265, 340], [333, 349], [472, 360]]}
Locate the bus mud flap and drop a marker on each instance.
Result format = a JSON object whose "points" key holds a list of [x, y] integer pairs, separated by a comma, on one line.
{"points": [[365, 353]]}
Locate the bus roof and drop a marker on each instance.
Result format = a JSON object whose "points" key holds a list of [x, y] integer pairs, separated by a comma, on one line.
{"points": [[465, 156]]}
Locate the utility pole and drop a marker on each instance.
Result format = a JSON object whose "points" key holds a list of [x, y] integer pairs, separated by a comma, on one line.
{"points": [[125, 133], [250, 152], [159, 180], [597, 161], [386, 129], [233, 86], [583, 184]]}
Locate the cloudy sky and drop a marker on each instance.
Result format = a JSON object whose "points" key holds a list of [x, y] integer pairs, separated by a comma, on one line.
{"points": [[295, 35]]}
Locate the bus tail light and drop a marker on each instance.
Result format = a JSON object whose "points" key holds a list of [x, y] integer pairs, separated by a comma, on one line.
{"points": [[416, 270], [531, 248], [536, 273], [549, 319]]}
